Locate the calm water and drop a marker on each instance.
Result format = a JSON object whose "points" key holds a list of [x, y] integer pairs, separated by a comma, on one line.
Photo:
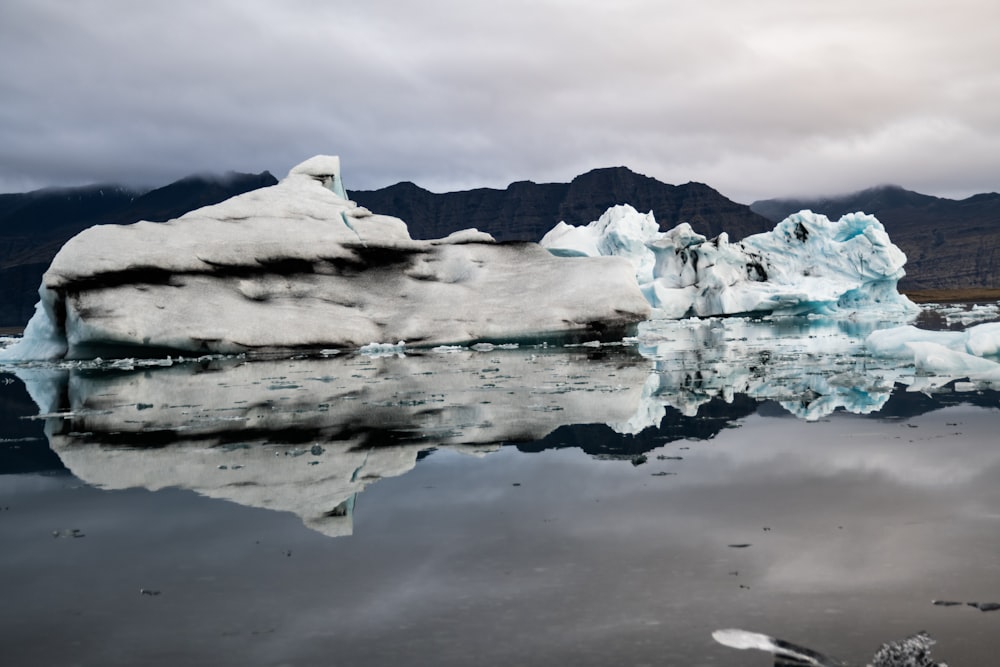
{"points": [[590, 505]]}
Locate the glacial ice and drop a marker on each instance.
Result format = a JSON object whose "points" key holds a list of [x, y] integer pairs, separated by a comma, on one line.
{"points": [[973, 353], [807, 264], [297, 265]]}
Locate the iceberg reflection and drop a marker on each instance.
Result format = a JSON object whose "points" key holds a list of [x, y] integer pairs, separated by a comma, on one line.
{"points": [[307, 435], [810, 366]]}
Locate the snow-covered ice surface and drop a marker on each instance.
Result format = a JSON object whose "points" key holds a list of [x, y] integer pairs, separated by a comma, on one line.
{"points": [[297, 265], [807, 264], [943, 356]]}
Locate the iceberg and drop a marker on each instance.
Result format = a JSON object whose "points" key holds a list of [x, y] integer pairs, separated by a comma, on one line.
{"points": [[948, 355], [299, 266], [807, 265]]}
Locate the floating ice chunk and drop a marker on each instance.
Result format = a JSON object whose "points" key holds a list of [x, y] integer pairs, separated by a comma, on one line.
{"points": [[956, 353], [465, 236], [937, 358], [980, 340], [448, 349], [742, 639], [971, 315], [913, 651], [892, 342], [983, 340], [384, 349]]}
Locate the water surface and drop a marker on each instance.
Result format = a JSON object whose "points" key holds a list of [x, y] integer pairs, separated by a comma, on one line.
{"points": [[532, 506]]}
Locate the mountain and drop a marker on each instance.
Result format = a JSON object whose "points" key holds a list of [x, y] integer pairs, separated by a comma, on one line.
{"points": [[526, 211], [948, 243], [34, 225]]}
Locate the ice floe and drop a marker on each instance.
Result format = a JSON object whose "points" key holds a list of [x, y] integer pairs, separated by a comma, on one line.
{"points": [[947, 355]]}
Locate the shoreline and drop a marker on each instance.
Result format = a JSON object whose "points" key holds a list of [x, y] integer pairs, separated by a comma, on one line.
{"points": [[957, 295]]}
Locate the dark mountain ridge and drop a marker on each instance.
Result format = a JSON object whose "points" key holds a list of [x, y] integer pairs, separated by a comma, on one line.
{"points": [[948, 243], [525, 210]]}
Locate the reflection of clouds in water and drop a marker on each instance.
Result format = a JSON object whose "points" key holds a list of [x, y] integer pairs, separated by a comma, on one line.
{"points": [[848, 503], [854, 503], [942, 451], [600, 557]]}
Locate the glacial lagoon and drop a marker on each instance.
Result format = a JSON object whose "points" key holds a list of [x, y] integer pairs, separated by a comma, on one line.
{"points": [[593, 504]]}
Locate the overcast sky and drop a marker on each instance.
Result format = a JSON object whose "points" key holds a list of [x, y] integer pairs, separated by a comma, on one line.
{"points": [[757, 99]]}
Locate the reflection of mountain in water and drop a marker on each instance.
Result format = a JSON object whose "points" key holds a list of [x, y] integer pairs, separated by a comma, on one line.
{"points": [[601, 440], [23, 448], [906, 404]]}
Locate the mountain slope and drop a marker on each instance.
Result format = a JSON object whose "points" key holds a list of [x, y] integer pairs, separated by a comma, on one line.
{"points": [[526, 210], [948, 243]]}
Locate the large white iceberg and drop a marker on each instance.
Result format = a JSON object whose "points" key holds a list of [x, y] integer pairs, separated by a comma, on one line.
{"points": [[807, 264], [297, 265]]}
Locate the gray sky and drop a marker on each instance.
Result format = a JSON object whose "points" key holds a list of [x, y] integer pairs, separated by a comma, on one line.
{"points": [[757, 99]]}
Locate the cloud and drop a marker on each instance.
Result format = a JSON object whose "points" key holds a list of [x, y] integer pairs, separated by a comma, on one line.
{"points": [[761, 99]]}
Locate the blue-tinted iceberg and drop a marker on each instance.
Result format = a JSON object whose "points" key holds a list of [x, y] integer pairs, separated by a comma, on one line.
{"points": [[807, 264], [973, 353]]}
